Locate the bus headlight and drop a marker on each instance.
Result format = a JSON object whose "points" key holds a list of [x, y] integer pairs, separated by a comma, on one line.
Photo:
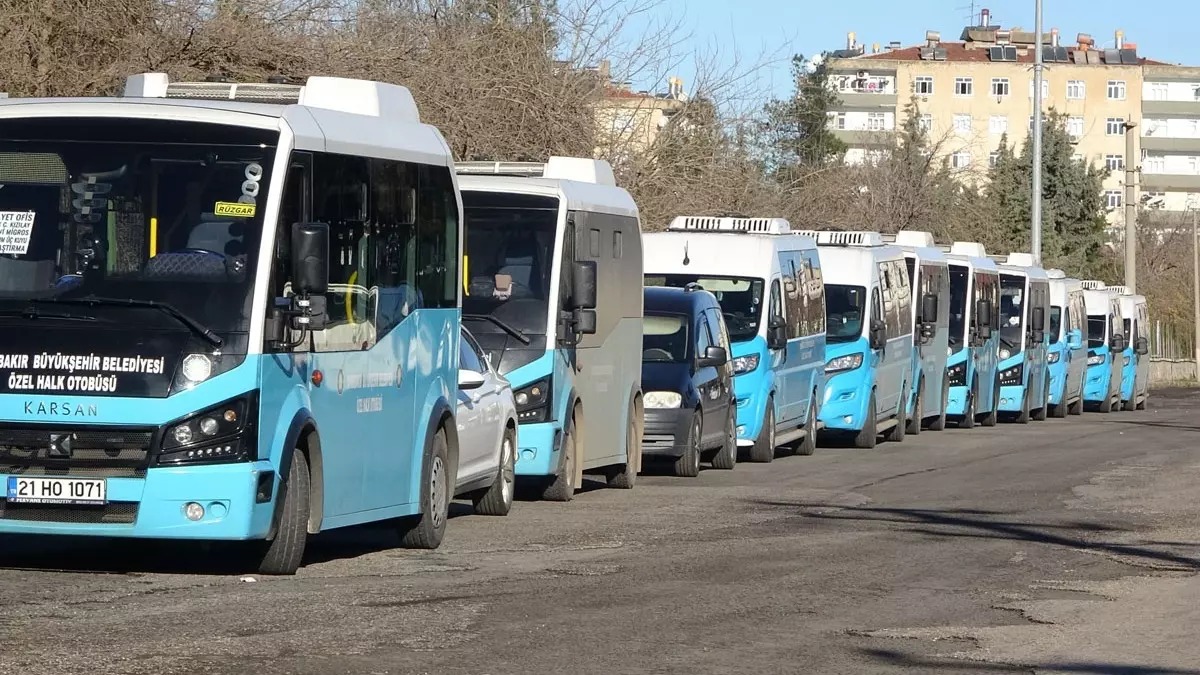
{"points": [[957, 374], [841, 364], [1004, 353], [1012, 376], [1095, 359], [222, 433], [533, 401], [745, 364], [1052, 357], [663, 399]]}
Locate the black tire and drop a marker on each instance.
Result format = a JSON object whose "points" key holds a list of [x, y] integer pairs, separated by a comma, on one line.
{"points": [[1076, 408], [624, 476], [1059, 411], [1105, 407], [726, 456], [1142, 404], [688, 464], [914, 423], [968, 418], [1040, 414], [993, 417], [939, 422], [808, 445], [497, 500], [426, 529], [1023, 416], [896, 433], [283, 554], [763, 450], [868, 436], [562, 486], [1129, 406]]}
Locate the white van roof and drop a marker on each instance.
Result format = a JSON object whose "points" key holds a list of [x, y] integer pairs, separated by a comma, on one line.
{"points": [[845, 237]]}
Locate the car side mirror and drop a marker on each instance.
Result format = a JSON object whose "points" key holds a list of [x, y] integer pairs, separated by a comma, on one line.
{"points": [[878, 338], [469, 379], [776, 333], [714, 357], [929, 308], [584, 321], [983, 313], [1039, 319], [1142, 346], [310, 258], [583, 281]]}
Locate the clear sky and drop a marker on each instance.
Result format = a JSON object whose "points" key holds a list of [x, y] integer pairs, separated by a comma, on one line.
{"points": [[773, 30]]}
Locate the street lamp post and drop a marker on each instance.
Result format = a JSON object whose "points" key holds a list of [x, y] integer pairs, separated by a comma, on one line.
{"points": [[1130, 202], [1035, 239]]}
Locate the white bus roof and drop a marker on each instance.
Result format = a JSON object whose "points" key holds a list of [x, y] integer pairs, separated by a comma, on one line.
{"points": [[583, 184], [326, 114]]}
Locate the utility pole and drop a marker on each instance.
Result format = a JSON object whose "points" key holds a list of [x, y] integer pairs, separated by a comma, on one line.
{"points": [[1130, 206], [1196, 290], [1035, 238]]}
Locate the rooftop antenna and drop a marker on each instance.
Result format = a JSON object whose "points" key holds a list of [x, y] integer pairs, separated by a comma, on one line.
{"points": [[969, 8]]}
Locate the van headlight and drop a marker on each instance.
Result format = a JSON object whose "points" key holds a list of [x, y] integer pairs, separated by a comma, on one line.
{"points": [[1052, 357], [841, 364], [745, 364], [662, 399], [1095, 359]]}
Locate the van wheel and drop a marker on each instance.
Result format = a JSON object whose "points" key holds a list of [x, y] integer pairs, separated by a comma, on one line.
{"points": [[968, 419], [688, 465], [1058, 411], [1141, 405], [726, 457], [939, 422], [284, 553], [808, 445], [896, 433], [1128, 405], [914, 423], [993, 417], [763, 449], [426, 529], [562, 486], [1076, 408], [623, 476], [497, 500], [868, 436]]}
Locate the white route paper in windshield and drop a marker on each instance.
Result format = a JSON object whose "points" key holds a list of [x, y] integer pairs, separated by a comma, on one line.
{"points": [[16, 229]]}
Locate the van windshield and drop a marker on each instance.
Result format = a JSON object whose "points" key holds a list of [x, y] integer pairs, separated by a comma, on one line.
{"points": [[1055, 322], [1096, 326], [959, 277], [1012, 311], [844, 309], [664, 338], [741, 299]]}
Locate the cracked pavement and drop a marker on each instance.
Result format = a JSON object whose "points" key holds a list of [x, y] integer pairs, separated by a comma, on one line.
{"points": [[1067, 546]]}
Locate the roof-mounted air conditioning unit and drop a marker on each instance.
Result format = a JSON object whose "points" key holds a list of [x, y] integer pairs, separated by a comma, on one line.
{"points": [[726, 224], [969, 248], [916, 238]]}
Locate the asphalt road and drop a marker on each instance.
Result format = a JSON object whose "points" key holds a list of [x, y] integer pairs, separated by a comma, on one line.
{"points": [[1067, 546]]}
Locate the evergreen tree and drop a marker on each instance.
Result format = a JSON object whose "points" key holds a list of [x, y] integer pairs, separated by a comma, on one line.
{"points": [[795, 132]]}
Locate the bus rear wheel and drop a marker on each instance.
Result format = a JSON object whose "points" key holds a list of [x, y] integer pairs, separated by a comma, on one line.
{"points": [[426, 529], [284, 553]]}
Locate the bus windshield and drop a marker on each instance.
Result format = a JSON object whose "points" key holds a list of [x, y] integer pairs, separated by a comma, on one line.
{"points": [[959, 276], [844, 309], [741, 299], [134, 212], [1096, 330], [1012, 311]]}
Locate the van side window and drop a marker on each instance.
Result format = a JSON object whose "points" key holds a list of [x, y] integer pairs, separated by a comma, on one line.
{"points": [[776, 307], [877, 307], [704, 338], [793, 296], [815, 289]]}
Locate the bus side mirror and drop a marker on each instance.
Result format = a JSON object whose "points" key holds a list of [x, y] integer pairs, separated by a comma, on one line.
{"points": [[929, 308], [1142, 346], [878, 339], [583, 281], [310, 258], [1039, 319], [983, 314], [1117, 344], [584, 321], [984, 332]]}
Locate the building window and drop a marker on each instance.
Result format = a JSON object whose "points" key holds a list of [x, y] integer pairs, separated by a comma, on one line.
{"points": [[876, 121], [1114, 126], [1076, 89], [1157, 91], [1116, 90], [1112, 199], [925, 122], [923, 85], [993, 158], [1154, 127], [998, 124], [962, 123], [963, 86], [1193, 166], [1075, 127], [1154, 164], [1045, 89], [1114, 162], [999, 86], [837, 120], [1077, 158], [960, 159]]}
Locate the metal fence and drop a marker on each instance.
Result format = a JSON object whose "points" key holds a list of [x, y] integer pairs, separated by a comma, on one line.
{"points": [[1172, 354]]}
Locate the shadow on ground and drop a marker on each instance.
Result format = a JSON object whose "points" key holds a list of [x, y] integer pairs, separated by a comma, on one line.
{"points": [[896, 658]]}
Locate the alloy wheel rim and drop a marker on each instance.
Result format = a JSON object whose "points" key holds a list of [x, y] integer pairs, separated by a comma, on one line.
{"points": [[507, 472]]}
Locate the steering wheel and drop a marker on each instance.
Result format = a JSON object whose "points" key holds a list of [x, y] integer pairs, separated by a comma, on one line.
{"points": [[653, 355]]}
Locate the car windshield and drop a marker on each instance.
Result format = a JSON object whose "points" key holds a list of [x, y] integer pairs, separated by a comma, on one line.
{"points": [[665, 338], [149, 211], [1055, 322], [959, 276], [1096, 330], [741, 299], [844, 308], [1012, 311], [509, 257]]}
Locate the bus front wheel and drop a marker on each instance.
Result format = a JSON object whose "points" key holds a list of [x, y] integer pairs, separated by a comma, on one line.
{"points": [[562, 484], [623, 476], [426, 529], [285, 552]]}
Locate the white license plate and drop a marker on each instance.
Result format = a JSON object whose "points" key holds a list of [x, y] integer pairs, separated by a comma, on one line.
{"points": [[23, 490]]}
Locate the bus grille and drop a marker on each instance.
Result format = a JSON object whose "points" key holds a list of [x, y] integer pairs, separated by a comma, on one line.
{"points": [[114, 513], [94, 452]]}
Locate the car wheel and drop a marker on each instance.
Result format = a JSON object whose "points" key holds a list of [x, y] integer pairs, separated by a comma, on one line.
{"points": [[896, 433], [808, 445], [968, 419], [726, 457], [624, 476], [688, 464], [914, 423], [497, 500], [939, 422]]}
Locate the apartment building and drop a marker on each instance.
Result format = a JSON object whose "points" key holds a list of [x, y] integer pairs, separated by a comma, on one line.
{"points": [[628, 122], [971, 92]]}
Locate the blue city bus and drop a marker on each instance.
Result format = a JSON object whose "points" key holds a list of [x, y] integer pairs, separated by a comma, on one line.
{"points": [[1106, 342], [553, 277], [929, 277], [869, 337], [769, 282], [974, 346], [228, 320], [1024, 308], [1066, 356]]}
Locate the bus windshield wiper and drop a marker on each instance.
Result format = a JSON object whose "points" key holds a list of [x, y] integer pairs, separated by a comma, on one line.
{"points": [[1008, 343], [195, 326], [32, 312], [518, 335]]}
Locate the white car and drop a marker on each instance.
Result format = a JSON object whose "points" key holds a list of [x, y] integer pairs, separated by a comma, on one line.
{"points": [[487, 432]]}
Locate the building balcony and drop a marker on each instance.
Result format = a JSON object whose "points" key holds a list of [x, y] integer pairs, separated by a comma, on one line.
{"points": [[1168, 144], [870, 102], [1170, 108], [1166, 182]]}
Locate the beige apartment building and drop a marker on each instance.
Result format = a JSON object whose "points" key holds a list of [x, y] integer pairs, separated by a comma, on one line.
{"points": [[969, 93], [628, 121]]}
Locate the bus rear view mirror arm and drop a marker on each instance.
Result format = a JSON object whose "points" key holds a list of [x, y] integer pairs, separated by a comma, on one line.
{"points": [[583, 285]]}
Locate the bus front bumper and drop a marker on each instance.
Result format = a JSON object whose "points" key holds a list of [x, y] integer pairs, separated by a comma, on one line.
{"points": [[538, 454], [1012, 397]]}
